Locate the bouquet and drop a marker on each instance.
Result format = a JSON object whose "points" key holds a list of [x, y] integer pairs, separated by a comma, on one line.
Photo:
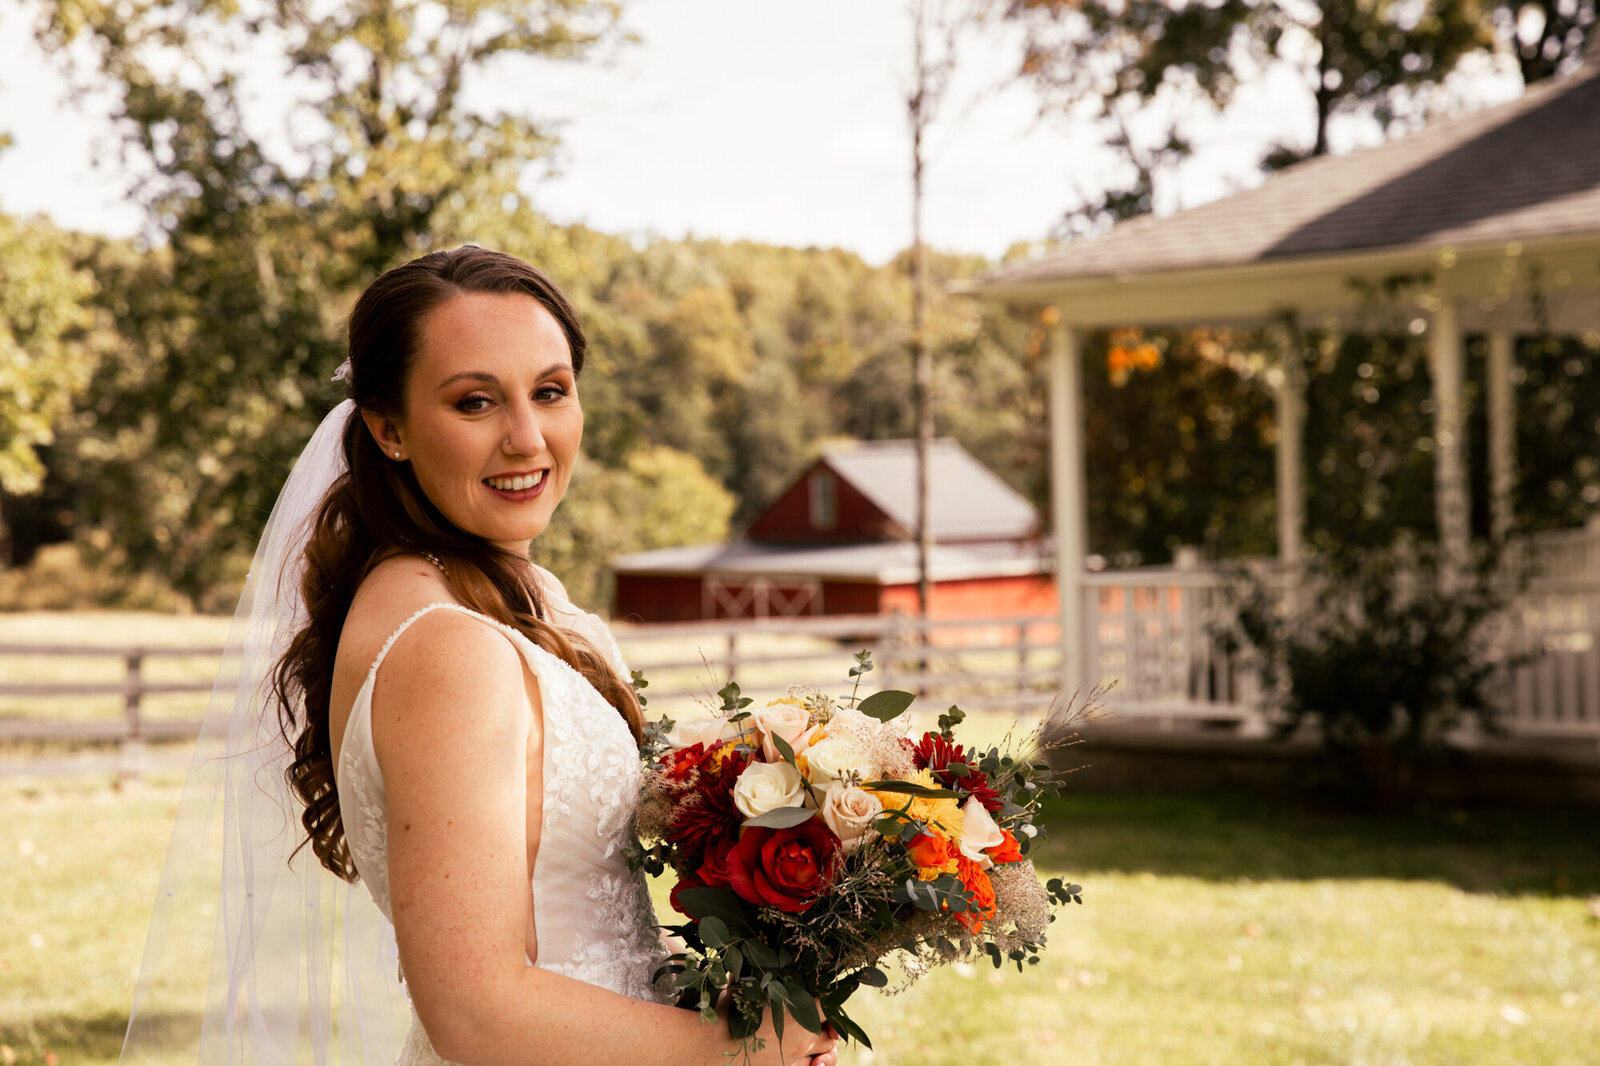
{"points": [[813, 841]]}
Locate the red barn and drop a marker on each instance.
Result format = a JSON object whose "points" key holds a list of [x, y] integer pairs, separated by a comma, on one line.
{"points": [[841, 540]]}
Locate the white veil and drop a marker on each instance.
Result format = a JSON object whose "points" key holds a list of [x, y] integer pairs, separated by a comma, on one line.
{"points": [[270, 962]]}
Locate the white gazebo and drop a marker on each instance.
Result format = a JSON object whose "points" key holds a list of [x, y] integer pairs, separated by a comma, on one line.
{"points": [[1492, 217]]}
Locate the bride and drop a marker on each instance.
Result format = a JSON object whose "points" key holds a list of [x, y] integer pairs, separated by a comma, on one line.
{"points": [[457, 736]]}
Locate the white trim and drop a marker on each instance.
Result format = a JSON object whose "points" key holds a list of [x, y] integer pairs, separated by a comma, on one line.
{"points": [[1068, 502]]}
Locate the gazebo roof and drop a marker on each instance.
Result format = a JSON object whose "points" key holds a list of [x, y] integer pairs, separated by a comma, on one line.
{"points": [[1502, 180]]}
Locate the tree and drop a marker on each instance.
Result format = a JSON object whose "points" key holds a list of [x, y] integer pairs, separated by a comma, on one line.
{"points": [[1110, 60], [43, 362], [262, 226]]}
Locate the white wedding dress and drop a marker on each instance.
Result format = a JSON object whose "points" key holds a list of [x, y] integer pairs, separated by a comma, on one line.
{"points": [[593, 916]]}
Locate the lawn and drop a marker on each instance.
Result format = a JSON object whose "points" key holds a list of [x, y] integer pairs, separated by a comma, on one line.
{"points": [[1214, 930]]}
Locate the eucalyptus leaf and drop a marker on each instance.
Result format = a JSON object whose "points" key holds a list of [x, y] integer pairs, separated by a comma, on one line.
{"points": [[714, 932], [910, 788], [781, 817], [761, 954], [803, 1006], [886, 705], [704, 900], [785, 750], [872, 977]]}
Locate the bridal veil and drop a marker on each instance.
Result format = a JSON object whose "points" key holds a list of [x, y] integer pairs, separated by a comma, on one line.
{"points": [[270, 958]]}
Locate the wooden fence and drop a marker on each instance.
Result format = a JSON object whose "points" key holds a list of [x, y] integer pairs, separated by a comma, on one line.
{"points": [[1149, 633], [1001, 665]]}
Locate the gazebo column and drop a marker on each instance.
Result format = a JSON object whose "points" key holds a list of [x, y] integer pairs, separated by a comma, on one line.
{"points": [[1502, 434], [1291, 488], [1451, 500], [1069, 504]]}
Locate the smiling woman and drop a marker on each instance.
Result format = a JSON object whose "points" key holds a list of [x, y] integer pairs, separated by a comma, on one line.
{"points": [[491, 423], [453, 732]]}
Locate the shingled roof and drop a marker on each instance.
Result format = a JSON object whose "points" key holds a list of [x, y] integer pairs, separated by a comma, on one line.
{"points": [[967, 500], [1519, 171]]}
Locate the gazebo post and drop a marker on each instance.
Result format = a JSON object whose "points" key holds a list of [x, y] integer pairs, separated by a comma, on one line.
{"points": [[1068, 503], [1291, 490], [1502, 434], [1451, 500]]}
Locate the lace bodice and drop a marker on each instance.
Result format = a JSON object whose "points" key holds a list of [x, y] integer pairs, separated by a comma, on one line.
{"points": [[593, 916]]}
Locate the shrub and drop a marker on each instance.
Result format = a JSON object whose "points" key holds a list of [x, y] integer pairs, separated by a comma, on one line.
{"points": [[1388, 653]]}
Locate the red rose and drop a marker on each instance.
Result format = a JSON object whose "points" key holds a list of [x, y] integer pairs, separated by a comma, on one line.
{"points": [[1007, 850], [714, 870], [783, 868]]}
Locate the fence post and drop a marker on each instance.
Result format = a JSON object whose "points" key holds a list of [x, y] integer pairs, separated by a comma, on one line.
{"points": [[1022, 658], [132, 747]]}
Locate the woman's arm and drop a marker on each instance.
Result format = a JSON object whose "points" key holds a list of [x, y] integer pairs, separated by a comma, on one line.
{"points": [[455, 743]]}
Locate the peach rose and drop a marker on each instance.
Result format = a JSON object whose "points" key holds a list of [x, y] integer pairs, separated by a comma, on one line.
{"points": [[790, 721], [849, 812]]}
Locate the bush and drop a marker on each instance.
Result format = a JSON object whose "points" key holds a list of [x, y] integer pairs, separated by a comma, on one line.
{"points": [[1388, 654]]}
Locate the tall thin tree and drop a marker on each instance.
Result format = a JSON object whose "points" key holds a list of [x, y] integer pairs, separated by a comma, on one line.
{"points": [[930, 77]]}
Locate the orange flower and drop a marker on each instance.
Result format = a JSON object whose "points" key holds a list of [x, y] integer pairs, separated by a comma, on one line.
{"points": [[933, 855], [1007, 850], [982, 891]]}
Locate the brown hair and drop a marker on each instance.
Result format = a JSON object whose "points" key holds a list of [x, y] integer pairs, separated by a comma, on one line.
{"points": [[376, 510]]}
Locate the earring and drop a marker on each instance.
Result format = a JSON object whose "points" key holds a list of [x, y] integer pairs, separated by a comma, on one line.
{"points": [[397, 455]]}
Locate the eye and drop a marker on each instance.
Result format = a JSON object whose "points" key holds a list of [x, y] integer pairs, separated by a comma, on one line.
{"points": [[472, 403], [550, 392]]}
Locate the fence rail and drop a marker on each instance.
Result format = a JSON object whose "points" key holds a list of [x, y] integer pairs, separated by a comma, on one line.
{"points": [[1150, 632]]}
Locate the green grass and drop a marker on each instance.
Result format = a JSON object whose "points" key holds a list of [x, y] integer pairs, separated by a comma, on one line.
{"points": [[1214, 930]]}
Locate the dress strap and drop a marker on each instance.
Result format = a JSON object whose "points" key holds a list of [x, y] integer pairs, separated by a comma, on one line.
{"points": [[511, 633]]}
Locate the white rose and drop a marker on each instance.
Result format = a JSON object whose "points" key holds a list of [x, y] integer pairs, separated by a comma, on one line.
{"points": [[849, 812], [766, 786], [836, 758], [787, 720], [978, 831], [709, 732]]}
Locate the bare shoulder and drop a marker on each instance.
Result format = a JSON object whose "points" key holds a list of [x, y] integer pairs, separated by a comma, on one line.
{"points": [[396, 589], [444, 659]]}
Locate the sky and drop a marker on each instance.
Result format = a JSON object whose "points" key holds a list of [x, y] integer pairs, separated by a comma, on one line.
{"points": [[774, 120]]}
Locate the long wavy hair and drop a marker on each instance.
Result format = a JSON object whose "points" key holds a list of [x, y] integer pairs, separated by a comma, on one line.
{"points": [[376, 510]]}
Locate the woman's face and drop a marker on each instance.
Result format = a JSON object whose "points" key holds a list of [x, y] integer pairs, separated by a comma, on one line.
{"points": [[492, 423]]}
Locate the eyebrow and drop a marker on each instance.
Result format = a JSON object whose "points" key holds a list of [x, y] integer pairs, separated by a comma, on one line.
{"points": [[490, 379]]}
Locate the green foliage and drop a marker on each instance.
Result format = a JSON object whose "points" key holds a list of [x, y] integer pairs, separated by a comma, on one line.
{"points": [[659, 498], [1111, 60], [1179, 430], [1385, 657], [230, 324], [44, 363]]}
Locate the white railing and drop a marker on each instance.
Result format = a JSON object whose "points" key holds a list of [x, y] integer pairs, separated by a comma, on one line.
{"points": [[1151, 638], [1552, 635]]}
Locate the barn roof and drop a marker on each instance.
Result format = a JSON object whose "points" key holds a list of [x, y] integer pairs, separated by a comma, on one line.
{"points": [[1521, 171], [885, 563], [968, 500]]}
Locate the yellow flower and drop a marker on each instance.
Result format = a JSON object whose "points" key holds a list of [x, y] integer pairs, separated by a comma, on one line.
{"points": [[942, 815], [719, 758]]}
